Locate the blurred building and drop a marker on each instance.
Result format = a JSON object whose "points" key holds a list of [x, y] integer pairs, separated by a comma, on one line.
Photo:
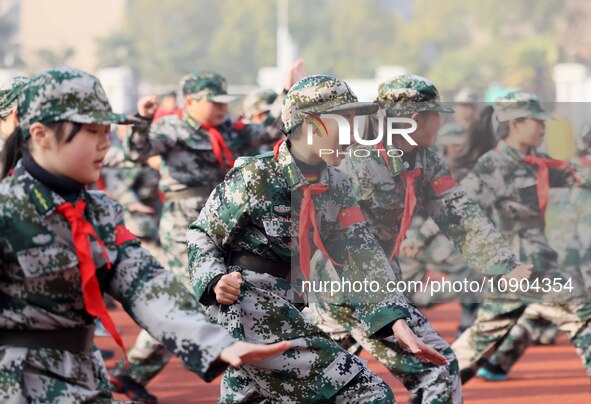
{"points": [[66, 29]]}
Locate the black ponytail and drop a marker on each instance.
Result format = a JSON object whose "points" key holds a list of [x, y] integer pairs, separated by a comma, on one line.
{"points": [[12, 152], [482, 137], [15, 146]]}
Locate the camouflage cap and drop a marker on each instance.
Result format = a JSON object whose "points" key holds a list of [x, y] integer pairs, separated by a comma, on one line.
{"points": [[465, 96], [318, 94], [66, 94], [206, 85], [9, 93], [519, 104], [408, 93], [258, 101], [451, 133], [583, 141]]}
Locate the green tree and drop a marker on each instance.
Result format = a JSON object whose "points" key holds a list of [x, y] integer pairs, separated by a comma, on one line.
{"points": [[454, 42]]}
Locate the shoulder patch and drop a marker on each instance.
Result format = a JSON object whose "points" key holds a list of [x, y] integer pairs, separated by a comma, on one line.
{"points": [[123, 235], [41, 198], [290, 175], [350, 216], [442, 184]]}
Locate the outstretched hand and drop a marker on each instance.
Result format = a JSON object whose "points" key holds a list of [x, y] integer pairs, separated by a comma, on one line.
{"points": [[414, 344], [244, 352]]}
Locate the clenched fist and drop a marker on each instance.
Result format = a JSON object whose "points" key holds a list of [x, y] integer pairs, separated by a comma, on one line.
{"points": [[227, 289]]}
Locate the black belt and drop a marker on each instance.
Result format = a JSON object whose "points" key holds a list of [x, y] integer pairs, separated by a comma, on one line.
{"points": [[187, 193], [77, 339], [258, 264]]}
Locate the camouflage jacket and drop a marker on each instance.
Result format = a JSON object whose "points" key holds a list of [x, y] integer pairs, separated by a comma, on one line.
{"points": [[380, 190], [128, 183], [506, 186], [187, 153], [256, 209], [40, 282]]}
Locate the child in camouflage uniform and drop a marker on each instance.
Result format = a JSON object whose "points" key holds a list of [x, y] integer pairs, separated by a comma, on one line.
{"points": [[512, 182], [568, 220], [431, 249], [264, 215], [388, 188], [61, 247], [197, 148]]}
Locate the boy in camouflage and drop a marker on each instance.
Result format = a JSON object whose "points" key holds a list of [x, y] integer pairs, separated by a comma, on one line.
{"points": [[388, 188], [61, 247], [512, 181], [264, 215], [428, 248], [197, 149]]}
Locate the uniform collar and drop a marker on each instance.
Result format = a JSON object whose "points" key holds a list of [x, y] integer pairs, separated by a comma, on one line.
{"points": [[192, 122], [397, 165], [41, 196], [65, 187], [292, 173]]}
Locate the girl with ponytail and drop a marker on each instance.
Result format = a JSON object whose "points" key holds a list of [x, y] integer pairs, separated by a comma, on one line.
{"points": [[62, 247]]}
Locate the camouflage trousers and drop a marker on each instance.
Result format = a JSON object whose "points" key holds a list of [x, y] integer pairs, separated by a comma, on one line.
{"points": [[316, 370], [427, 383], [148, 357], [530, 327], [441, 256], [497, 316], [52, 376], [176, 217]]}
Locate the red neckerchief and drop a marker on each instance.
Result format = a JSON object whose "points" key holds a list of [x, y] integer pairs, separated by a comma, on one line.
{"points": [[91, 292], [410, 202], [543, 176]]}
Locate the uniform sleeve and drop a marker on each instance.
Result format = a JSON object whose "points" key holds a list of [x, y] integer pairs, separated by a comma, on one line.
{"points": [[224, 214], [460, 216], [159, 303], [354, 245], [147, 140], [422, 230]]}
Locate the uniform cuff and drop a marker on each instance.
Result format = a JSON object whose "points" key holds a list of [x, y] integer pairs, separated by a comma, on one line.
{"points": [[381, 320], [208, 296]]}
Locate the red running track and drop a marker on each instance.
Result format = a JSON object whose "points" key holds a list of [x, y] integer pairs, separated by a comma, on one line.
{"points": [[552, 374]]}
